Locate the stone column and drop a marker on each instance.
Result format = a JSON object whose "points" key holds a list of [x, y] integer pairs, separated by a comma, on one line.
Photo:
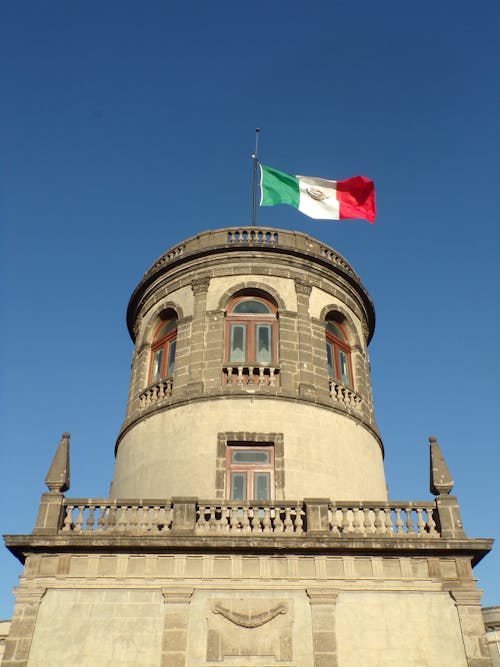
{"points": [[18, 643], [323, 602], [468, 605], [174, 645], [307, 386], [197, 343]]}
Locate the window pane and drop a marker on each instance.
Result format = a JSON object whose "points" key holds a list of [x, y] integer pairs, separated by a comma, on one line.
{"points": [[345, 377], [262, 486], [251, 306], [329, 355], [167, 328], [171, 357], [334, 329], [250, 456], [238, 342], [238, 486], [157, 364], [263, 343]]}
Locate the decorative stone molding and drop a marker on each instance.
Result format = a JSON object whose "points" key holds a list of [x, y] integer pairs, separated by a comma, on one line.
{"points": [[250, 620], [200, 285], [181, 595], [322, 595]]}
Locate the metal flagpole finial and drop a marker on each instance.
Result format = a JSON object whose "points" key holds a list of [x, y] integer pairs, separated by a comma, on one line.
{"points": [[255, 157]]}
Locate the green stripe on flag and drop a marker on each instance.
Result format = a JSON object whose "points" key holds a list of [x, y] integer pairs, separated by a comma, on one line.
{"points": [[276, 187]]}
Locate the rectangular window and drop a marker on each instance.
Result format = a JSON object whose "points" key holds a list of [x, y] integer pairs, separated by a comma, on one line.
{"points": [[250, 472], [238, 343], [263, 353]]}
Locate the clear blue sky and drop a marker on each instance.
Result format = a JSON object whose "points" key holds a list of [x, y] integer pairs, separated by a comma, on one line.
{"points": [[127, 126]]}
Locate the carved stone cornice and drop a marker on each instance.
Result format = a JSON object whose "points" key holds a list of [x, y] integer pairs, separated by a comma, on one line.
{"points": [[177, 595], [322, 595]]}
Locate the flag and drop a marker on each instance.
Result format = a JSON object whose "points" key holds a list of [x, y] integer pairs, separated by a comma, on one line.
{"points": [[317, 197]]}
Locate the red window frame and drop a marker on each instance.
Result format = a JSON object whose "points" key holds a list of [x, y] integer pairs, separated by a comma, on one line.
{"points": [[336, 345], [164, 343], [251, 322], [249, 469]]}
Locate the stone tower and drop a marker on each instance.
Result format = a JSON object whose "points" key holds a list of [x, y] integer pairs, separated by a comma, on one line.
{"points": [[248, 522]]}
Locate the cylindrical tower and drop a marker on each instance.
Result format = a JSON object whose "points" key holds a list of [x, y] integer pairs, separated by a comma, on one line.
{"points": [[250, 376]]}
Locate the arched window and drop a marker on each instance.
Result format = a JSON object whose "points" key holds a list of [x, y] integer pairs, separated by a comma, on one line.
{"points": [[338, 353], [251, 331], [163, 350]]}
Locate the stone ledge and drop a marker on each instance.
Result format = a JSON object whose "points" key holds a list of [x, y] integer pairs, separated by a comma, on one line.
{"points": [[322, 544]]}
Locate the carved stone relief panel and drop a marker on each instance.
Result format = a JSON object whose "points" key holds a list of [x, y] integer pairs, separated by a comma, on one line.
{"points": [[249, 627]]}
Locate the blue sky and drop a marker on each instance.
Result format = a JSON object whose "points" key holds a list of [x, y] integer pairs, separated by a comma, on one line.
{"points": [[127, 126]]}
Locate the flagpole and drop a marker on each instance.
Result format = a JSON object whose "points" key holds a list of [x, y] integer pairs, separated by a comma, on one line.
{"points": [[255, 163]]}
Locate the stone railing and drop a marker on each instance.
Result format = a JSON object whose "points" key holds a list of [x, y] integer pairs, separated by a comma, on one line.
{"points": [[155, 392], [253, 235], [239, 375], [284, 518], [342, 394]]}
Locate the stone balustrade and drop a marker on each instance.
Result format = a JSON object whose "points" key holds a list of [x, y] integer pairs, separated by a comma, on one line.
{"points": [[342, 394], [155, 392], [253, 235], [285, 518], [239, 375], [211, 517], [394, 519]]}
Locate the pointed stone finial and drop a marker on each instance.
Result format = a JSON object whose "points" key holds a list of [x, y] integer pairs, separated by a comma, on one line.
{"points": [[58, 476], [441, 482]]}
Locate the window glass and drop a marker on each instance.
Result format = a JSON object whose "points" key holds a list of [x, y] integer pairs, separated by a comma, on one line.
{"points": [[262, 485], [238, 486], [157, 364], [329, 355], [344, 368], [250, 456], [334, 329], [167, 328], [251, 306], [263, 343], [171, 357], [238, 342]]}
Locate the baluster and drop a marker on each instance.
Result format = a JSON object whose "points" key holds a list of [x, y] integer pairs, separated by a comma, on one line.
{"points": [[122, 517], [356, 523], [278, 523], [132, 518], [144, 519], [420, 522], [240, 380], [332, 520], [399, 521], [299, 521], [101, 521], [347, 519], [68, 519], [161, 389], [266, 522], [272, 376], [262, 379], [234, 522], [378, 523], [409, 521], [89, 525], [368, 521], [201, 523], [79, 518], [212, 520], [389, 528], [155, 518], [245, 520], [110, 519], [431, 523], [288, 523]]}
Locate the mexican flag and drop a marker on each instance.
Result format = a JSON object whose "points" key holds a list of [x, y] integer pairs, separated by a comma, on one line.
{"points": [[317, 197]]}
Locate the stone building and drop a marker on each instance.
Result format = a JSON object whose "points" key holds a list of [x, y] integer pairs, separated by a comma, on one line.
{"points": [[248, 522]]}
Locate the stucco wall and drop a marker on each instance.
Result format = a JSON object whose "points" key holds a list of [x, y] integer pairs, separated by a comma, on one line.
{"points": [[173, 453]]}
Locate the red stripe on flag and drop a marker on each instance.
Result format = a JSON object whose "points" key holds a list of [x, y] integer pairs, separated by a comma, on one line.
{"points": [[356, 196]]}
